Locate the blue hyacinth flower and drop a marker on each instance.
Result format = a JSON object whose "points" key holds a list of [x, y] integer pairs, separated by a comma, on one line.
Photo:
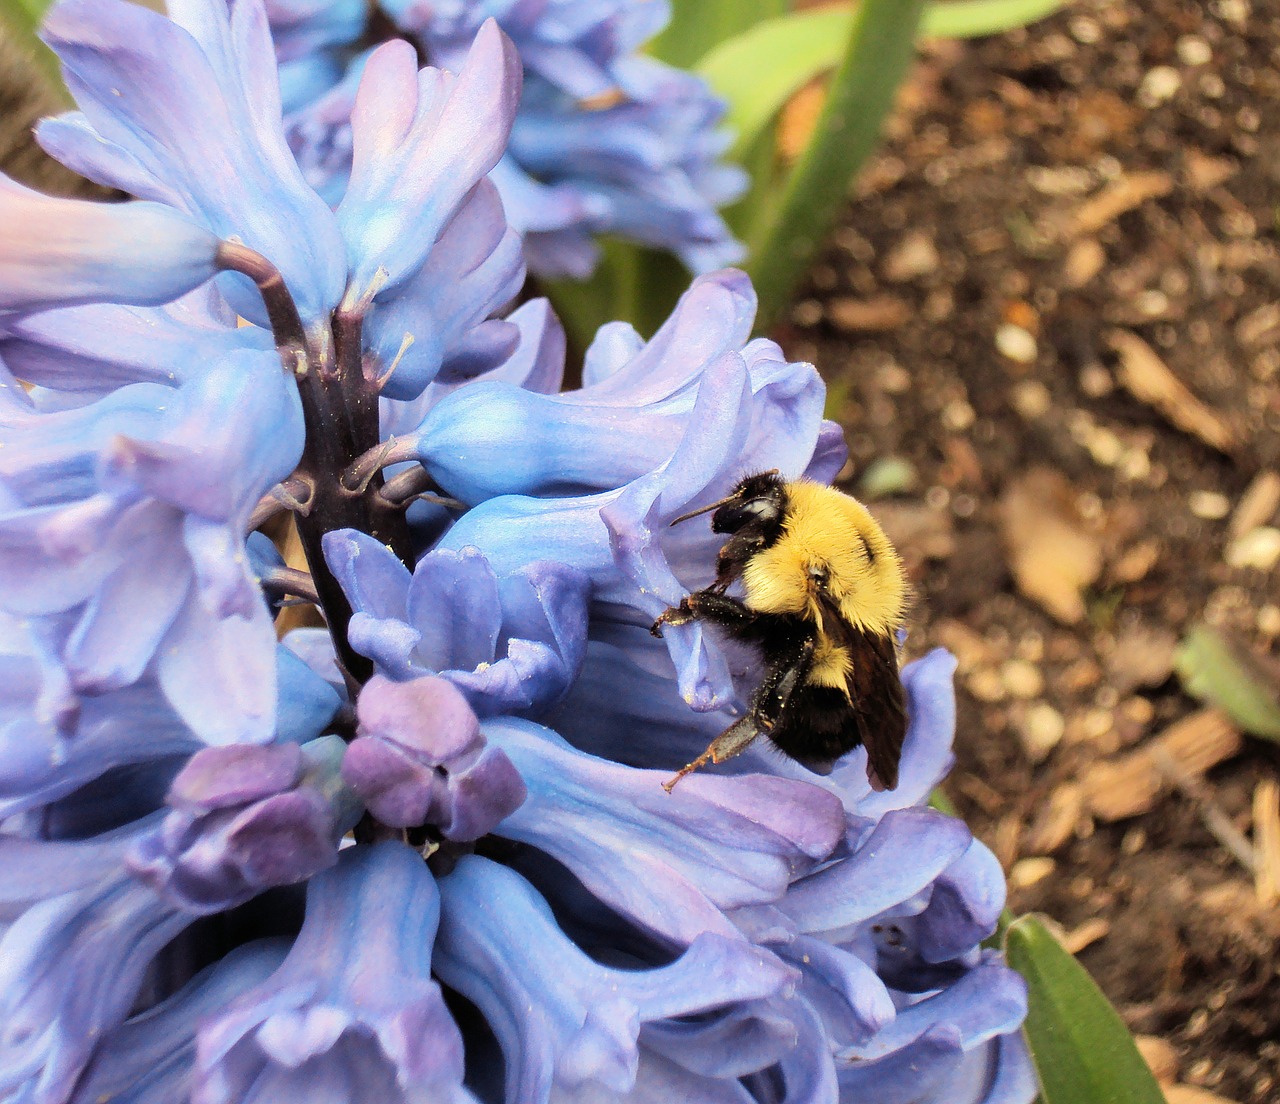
{"points": [[422, 853]]}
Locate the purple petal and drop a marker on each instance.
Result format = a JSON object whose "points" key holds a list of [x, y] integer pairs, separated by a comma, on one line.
{"points": [[147, 1059], [421, 143], [218, 778], [188, 112], [905, 852], [712, 844], [58, 252], [361, 1020], [586, 1016]]}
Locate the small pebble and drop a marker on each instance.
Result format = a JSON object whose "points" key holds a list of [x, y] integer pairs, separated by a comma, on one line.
{"points": [[1209, 505], [1021, 679], [1160, 84], [986, 685], [1032, 399], [1259, 548], [1016, 343], [1041, 731], [1194, 50], [1096, 381], [1026, 872]]}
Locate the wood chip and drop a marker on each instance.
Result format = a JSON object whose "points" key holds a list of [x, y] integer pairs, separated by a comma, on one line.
{"points": [[1257, 505], [1160, 1056], [1190, 1094], [1128, 785], [1150, 380], [1204, 173], [1259, 326], [1088, 933], [1136, 562], [1056, 822], [875, 315], [1083, 262], [1266, 842], [1124, 194], [1052, 555], [1027, 872]]}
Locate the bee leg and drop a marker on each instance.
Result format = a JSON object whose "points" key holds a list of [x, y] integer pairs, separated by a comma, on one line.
{"points": [[705, 605], [767, 705], [732, 741]]}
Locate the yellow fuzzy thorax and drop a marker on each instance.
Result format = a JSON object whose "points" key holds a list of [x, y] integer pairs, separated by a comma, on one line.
{"points": [[827, 531]]}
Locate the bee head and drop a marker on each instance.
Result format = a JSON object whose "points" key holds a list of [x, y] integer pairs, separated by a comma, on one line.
{"points": [[758, 499]]}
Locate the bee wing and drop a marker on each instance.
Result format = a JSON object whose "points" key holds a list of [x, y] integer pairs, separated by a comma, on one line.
{"points": [[875, 690]]}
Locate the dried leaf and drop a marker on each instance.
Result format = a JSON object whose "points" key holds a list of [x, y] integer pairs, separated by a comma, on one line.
{"points": [[1088, 933], [1149, 380], [878, 314], [1257, 505], [1124, 194], [1052, 556]]}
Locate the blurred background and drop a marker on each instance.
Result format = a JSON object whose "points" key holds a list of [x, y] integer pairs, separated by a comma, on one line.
{"points": [[1050, 322]]}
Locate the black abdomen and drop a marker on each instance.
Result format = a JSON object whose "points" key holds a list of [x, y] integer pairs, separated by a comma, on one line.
{"points": [[817, 727]]}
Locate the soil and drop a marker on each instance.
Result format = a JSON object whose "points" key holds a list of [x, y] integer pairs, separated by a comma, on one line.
{"points": [[1044, 199]]}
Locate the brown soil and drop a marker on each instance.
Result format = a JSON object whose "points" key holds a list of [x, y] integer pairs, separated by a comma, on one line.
{"points": [[1044, 198]]}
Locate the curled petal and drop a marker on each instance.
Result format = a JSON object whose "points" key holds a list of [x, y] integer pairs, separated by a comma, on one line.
{"points": [[713, 844], [72, 963], [148, 1059], [422, 142], [588, 1016], [902, 856], [361, 1018]]}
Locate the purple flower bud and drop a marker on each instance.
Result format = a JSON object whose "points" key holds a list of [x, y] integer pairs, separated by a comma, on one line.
{"points": [[244, 819], [420, 759]]}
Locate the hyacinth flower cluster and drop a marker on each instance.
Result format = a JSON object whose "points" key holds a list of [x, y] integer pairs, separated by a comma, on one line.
{"points": [[422, 853], [606, 140]]}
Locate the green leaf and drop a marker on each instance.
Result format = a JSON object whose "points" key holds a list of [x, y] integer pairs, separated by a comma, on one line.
{"points": [[759, 70], [1082, 1050], [697, 26], [1230, 678], [879, 48]]}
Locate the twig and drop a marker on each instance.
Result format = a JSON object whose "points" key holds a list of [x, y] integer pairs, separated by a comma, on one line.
{"points": [[1212, 814]]}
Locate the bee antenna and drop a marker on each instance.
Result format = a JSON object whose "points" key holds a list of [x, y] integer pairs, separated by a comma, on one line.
{"points": [[701, 510]]}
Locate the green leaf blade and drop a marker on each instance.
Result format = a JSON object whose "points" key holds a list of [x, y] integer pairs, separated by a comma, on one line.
{"points": [[1083, 1052], [1213, 671], [697, 26], [759, 70], [880, 47]]}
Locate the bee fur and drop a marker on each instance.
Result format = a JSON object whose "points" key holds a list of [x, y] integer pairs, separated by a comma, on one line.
{"points": [[823, 598]]}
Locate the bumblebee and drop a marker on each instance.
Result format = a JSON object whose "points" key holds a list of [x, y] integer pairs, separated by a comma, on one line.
{"points": [[823, 599]]}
